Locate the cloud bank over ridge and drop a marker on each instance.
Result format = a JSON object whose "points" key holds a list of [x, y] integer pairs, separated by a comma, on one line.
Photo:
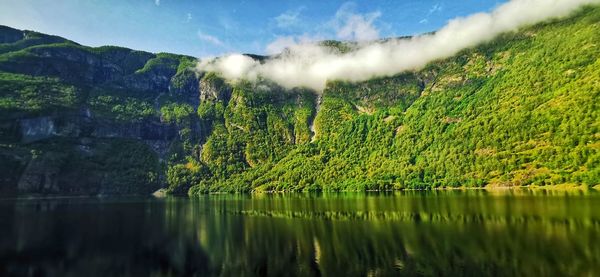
{"points": [[310, 65]]}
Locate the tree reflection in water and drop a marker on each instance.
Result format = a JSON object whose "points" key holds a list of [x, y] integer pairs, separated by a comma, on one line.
{"points": [[409, 233]]}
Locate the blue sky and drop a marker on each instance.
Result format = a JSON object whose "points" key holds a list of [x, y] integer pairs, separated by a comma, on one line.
{"points": [[206, 28]]}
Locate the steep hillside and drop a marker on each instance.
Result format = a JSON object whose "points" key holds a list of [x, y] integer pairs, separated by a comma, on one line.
{"points": [[520, 110], [79, 120]]}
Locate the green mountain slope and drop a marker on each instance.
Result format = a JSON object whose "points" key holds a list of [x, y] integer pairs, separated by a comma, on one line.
{"points": [[81, 120], [519, 110]]}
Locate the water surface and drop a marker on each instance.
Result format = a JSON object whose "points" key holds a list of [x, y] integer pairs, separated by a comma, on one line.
{"points": [[410, 233]]}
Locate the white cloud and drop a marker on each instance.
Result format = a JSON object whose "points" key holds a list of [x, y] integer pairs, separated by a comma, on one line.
{"points": [[210, 39], [280, 44], [289, 18], [354, 26], [344, 25], [188, 17], [157, 2], [285, 42], [310, 65]]}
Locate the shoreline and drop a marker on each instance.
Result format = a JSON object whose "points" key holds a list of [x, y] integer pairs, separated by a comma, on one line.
{"points": [[162, 194], [555, 188]]}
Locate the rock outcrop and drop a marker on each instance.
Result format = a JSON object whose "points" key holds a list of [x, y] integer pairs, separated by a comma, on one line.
{"points": [[34, 129], [72, 142], [214, 89]]}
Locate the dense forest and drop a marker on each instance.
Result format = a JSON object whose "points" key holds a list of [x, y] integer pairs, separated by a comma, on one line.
{"points": [[520, 110]]}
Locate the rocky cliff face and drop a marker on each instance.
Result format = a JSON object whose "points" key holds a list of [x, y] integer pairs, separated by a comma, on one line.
{"points": [[37, 128], [95, 101], [214, 89], [42, 128]]}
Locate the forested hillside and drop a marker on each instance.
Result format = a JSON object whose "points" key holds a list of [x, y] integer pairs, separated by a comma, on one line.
{"points": [[522, 109], [81, 120]]}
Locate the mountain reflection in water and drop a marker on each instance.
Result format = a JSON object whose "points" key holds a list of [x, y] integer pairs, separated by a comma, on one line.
{"points": [[406, 233]]}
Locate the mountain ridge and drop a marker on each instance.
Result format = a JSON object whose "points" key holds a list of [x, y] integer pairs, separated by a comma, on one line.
{"points": [[81, 120]]}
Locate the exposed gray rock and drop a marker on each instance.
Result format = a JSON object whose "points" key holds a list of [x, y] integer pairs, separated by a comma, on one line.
{"points": [[145, 130], [74, 64], [149, 81], [37, 128], [214, 89]]}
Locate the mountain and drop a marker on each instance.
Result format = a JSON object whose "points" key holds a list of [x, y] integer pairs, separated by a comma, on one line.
{"points": [[522, 109], [81, 120]]}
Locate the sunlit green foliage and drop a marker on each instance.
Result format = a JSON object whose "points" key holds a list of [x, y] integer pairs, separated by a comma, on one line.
{"points": [[26, 95], [32, 38], [181, 177], [120, 106], [520, 110], [176, 113], [162, 61]]}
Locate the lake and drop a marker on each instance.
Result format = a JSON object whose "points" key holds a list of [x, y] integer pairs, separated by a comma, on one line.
{"points": [[527, 233]]}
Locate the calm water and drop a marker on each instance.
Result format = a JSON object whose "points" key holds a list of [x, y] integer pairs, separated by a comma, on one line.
{"points": [[411, 233]]}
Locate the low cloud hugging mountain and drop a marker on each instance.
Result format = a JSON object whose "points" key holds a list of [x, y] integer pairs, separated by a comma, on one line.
{"points": [[307, 64]]}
